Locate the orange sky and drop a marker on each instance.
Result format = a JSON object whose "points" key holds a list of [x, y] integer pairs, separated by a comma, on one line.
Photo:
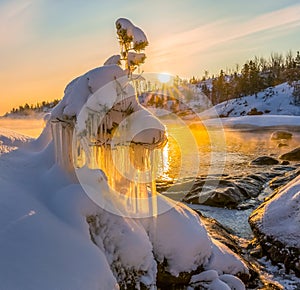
{"points": [[45, 44]]}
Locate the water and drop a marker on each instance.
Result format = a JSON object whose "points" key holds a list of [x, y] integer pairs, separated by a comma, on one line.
{"points": [[199, 151], [30, 127]]}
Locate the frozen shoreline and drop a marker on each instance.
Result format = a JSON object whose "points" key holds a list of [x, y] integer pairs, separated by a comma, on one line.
{"points": [[255, 122]]}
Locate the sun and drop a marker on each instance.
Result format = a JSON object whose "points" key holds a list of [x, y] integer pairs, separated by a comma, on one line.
{"points": [[164, 77]]}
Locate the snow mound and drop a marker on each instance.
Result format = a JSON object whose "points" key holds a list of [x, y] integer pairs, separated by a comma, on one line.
{"points": [[281, 216], [10, 140], [80, 89]]}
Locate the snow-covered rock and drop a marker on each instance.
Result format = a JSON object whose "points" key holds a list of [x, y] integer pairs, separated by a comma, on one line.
{"points": [[276, 223]]}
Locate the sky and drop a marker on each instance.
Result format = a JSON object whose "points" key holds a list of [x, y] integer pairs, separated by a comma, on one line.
{"points": [[44, 44]]}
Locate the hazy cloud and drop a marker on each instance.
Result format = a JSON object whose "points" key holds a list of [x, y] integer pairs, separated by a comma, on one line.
{"points": [[214, 34]]}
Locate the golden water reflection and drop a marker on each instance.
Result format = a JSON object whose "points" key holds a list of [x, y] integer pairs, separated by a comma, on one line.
{"points": [[218, 151]]}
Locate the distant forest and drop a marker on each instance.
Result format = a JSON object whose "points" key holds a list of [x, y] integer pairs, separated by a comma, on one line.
{"points": [[37, 108], [252, 77]]}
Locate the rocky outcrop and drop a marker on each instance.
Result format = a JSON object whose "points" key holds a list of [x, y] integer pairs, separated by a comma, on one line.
{"points": [[277, 251], [293, 155]]}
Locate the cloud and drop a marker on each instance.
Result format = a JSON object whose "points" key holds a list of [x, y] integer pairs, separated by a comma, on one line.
{"points": [[212, 35], [15, 17]]}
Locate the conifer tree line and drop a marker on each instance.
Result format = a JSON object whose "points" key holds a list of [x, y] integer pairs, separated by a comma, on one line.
{"points": [[254, 76], [38, 107]]}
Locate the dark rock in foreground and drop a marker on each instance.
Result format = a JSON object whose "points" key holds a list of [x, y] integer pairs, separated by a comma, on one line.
{"points": [[293, 155], [264, 160], [213, 192], [228, 192]]}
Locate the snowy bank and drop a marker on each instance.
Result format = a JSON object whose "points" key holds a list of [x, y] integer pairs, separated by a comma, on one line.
{"points": [[276, 100], [255, 122]]}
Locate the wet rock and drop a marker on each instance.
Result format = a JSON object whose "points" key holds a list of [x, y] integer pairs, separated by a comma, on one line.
{"points": [[218, 193], [252, 185], [257, 252], [284, 162], [231, 192], [279, 135], [293, 155], [254, 111], [165, 280], [282, 145], [264, 160], [279, 181]]}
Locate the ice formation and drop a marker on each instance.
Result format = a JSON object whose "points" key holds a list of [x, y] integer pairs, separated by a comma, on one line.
{"points": [[114, 152], [101, 133]]}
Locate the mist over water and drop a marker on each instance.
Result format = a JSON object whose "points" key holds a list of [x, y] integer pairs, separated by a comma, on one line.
{"points": [[30, 126]]}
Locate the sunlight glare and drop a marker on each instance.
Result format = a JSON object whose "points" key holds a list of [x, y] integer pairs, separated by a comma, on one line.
{"points": [[164, 77]]}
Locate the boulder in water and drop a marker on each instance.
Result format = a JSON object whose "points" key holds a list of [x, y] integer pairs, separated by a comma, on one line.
{"points": [[264, 160], [279, 135], [293, 155]]}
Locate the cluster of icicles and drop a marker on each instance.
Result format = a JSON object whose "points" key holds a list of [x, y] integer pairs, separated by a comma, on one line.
{"points": [[131, 169]]}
